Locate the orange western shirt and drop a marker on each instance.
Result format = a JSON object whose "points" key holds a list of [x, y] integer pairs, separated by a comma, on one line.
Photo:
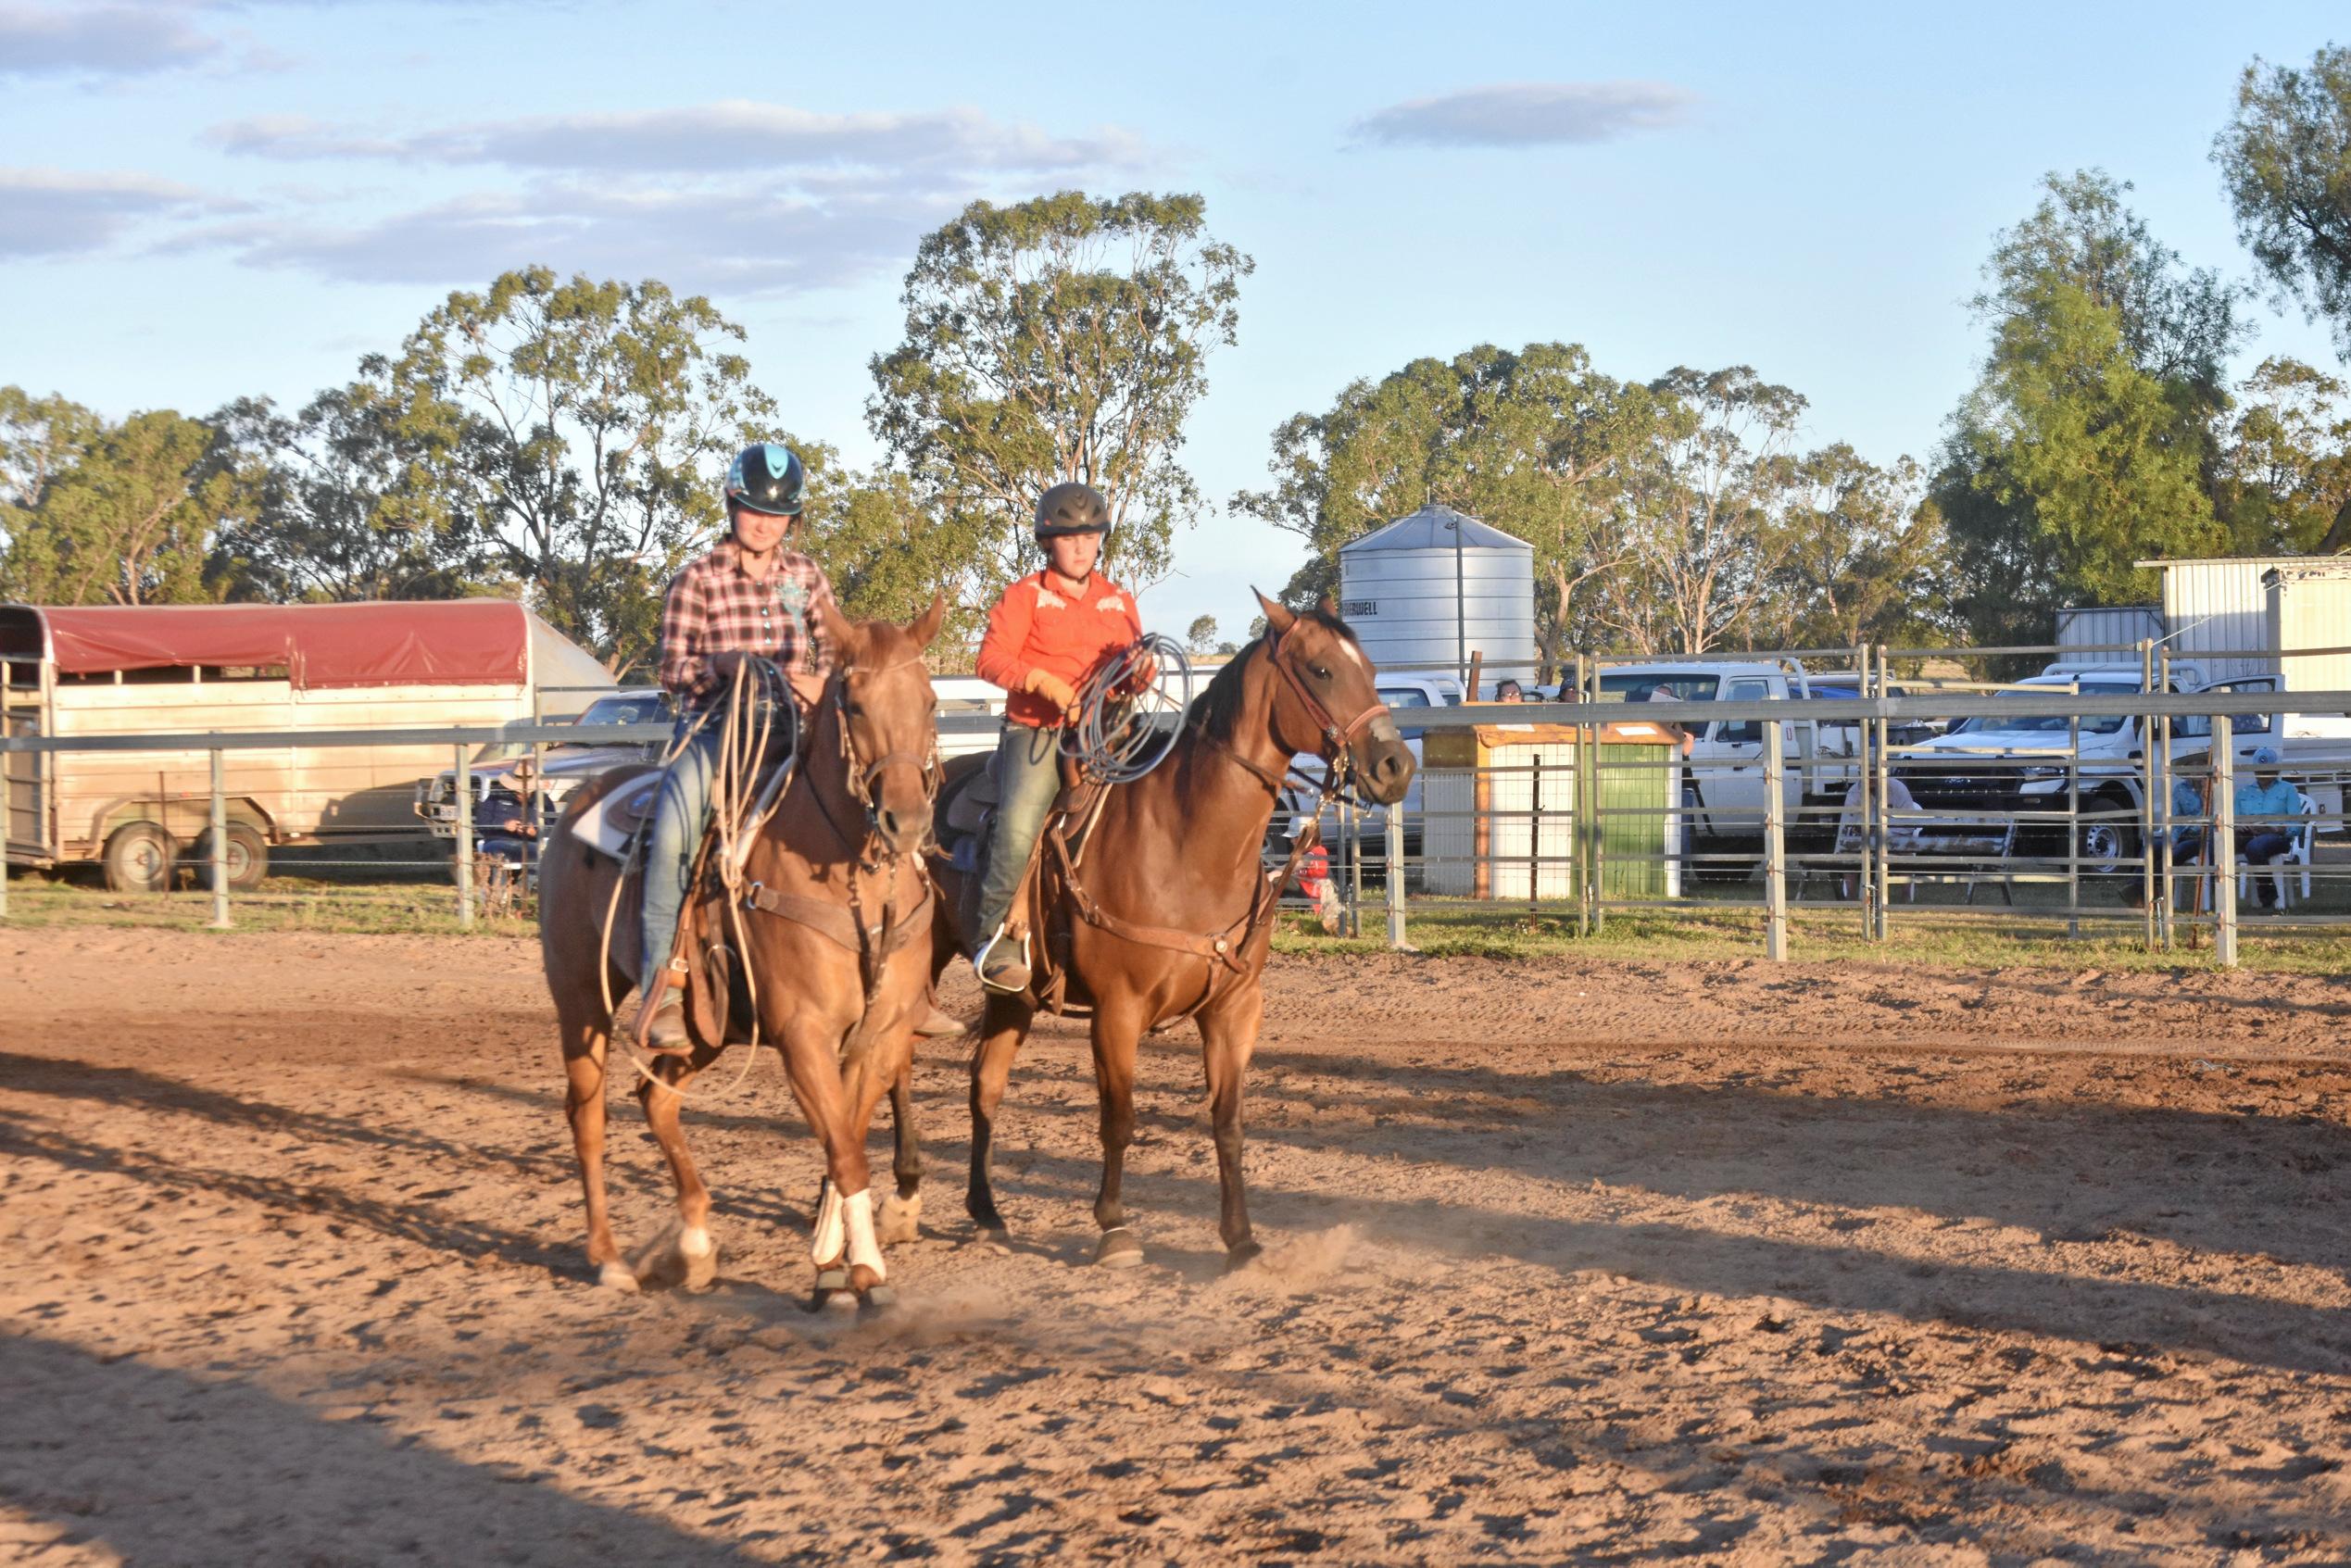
{"points": [[1039, 625]]}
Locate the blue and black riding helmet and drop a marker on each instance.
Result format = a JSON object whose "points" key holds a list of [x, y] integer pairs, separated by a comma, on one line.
{"points": [[767, 477]]}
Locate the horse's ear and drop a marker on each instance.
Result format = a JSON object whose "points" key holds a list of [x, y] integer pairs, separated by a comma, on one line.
{"points": [[1276, 616], [925, 630], [846, 637], [1327, 605]]}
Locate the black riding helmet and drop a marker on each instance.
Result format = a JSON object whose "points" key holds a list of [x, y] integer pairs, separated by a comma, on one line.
{"points": [[1072, 508], [767, 478]]}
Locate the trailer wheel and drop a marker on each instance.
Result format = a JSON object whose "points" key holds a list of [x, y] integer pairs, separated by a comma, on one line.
{"points": [[2108, 845], [138, 859], [248, 857]]}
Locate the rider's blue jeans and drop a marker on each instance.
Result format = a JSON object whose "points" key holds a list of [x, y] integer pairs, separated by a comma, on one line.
{"points": [[683, 811], [1028, 781]]}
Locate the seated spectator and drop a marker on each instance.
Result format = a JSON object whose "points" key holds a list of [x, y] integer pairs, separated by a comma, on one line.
{"points": [[1901, 837], [1509, 690], [2265, 842]]}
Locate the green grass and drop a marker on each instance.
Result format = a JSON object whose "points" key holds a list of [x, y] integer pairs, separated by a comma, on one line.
{"points": [[1939, 933], [1944, 936], [281, 904]]}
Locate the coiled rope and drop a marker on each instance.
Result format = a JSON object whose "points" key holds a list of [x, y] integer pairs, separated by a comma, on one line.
{"points": [[1116, 736]]}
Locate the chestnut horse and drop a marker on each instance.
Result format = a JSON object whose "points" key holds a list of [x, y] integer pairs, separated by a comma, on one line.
{"points": [[842, 848], [1172, 914]]}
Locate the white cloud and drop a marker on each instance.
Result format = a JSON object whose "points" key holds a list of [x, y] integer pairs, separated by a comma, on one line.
{"points": [[54, 212], [730, 136], [703, 241], [97, 39], [1529, 114]]}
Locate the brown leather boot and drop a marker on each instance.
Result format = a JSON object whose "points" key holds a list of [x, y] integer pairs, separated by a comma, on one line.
{"points": [[660, 1022], [939, 1025]]}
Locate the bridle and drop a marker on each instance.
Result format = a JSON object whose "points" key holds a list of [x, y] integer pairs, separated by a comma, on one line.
{"points": [[862, 776], [1333, 737]]}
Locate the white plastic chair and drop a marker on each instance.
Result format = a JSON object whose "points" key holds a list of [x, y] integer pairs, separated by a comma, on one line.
{"points": [[2298, 854]]}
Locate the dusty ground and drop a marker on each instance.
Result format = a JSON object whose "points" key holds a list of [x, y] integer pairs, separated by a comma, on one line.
{"points": [[1571, 1262]]}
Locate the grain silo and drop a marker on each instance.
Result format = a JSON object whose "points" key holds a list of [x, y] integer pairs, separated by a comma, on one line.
{"points": [[1432, 588]]}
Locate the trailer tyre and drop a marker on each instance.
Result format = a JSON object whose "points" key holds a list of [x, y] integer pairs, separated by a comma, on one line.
{"points": [[248, 857], [138, 859], [2107, 844]]}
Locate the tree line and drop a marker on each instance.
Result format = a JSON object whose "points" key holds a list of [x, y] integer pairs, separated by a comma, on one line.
{"points": [[1679, 513], [562, 439]]}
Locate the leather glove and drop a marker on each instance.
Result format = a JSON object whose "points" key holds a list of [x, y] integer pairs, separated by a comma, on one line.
{"points": [[1052, 688], [723, 666]]}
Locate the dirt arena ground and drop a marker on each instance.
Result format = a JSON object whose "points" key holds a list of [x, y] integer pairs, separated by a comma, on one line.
{"points": [[1569, 1262]]}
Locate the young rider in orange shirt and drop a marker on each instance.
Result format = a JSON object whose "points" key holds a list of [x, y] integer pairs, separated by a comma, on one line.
{"points": [[1047, 631]]}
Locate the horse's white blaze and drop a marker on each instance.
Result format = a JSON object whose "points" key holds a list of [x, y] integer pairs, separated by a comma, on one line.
{"points": [[826, 1241], [1354, 653], [862, 1249], [1384, 728], [695, 1242]]}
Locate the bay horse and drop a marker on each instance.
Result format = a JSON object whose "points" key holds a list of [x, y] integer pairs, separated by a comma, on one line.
{"points": [[837, 996], [1171, 913]]}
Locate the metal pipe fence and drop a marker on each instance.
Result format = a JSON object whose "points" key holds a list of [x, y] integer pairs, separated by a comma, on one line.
{"points": [[1588, 845], [2081, 829]]}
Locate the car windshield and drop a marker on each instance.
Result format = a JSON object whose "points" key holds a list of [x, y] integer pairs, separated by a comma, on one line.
{"points": [[2050, 723], [1658, 685], [1404, 697], [637, 708], [633, 708]]}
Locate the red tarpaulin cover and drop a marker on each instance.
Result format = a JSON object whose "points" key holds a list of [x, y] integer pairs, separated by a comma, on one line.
{"points": [[450, 642]]}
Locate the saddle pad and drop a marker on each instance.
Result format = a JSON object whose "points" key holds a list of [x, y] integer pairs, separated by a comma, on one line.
{"points": [[968, 812], [609, 824]]}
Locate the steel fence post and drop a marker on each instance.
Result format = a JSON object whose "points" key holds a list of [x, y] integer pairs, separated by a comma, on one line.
{"points": [[1864, 882], [1880, 771], [2166, 922], [1775, 853], [1534, 832], [1396, 875], [2147, 801], [1580, 845], [2073, 818], [219, 847], [2223, 856], [465, 838]]}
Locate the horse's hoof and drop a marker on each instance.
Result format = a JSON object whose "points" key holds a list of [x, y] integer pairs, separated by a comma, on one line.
{"points": [[1240, 1257], [833, 1289], [899, 1221], [615, 1276], [881, 1298], [997, 1237], [1118, 1249], [700, 1256]]}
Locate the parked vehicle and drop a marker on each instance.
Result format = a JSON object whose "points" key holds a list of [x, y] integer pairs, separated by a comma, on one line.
{"points": [[508, 766], [1984, 769], [181, 669], [1723, 780]]}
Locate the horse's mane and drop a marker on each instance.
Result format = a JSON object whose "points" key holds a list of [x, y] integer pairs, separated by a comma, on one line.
{"points": [[1216, 710]]}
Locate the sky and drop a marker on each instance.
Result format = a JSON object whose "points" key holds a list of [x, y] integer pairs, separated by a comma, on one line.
{"points": [[206, 199]]}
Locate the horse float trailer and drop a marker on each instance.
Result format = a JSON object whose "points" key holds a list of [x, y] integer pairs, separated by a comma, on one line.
{"points": [[188, 669]]}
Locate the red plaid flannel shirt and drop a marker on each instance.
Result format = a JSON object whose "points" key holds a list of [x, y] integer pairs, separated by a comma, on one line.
{"points": [[714, 607]]}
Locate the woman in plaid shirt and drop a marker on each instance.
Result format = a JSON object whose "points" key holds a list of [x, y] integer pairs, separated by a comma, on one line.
{"points": [[750, 597]]}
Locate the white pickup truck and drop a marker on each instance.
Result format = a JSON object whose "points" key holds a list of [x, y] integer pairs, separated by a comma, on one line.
{"points": [[1983, 770], [1723, 778]]}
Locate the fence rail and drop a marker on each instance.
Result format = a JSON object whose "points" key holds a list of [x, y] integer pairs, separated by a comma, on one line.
{"points": [[1787, 856]]}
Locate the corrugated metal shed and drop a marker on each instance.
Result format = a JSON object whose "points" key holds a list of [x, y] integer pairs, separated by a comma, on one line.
{"points": [[2108, 625], [2310, 606], [2217, 610]]}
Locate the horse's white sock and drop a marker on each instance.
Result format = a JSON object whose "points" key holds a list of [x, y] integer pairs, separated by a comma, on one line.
{"points": [[862, 1248]]}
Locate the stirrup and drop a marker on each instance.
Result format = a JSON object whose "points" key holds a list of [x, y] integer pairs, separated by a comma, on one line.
{"points": [[1000, 987]]}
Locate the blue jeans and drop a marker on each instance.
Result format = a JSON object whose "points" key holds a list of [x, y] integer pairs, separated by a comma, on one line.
{"points": [[1028, 781], [682, 813]]}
